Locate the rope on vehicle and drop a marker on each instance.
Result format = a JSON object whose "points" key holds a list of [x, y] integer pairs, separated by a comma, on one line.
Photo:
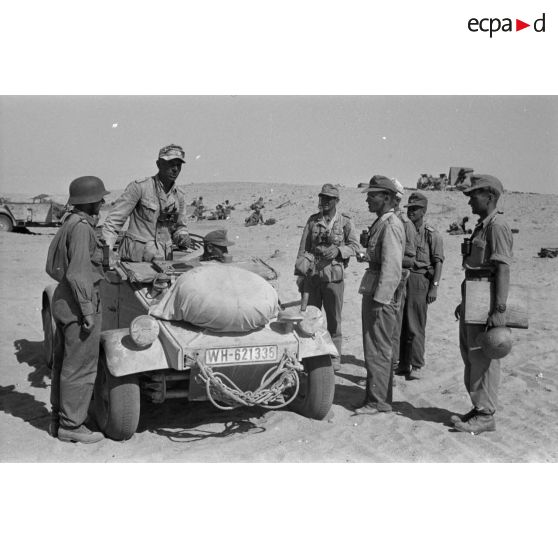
{"points": [[226, 395]]}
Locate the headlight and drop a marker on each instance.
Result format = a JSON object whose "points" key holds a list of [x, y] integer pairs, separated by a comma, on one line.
{"points": [[144, 330], [313, 321]]}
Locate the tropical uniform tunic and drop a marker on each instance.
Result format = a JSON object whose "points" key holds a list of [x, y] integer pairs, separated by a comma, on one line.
{"points": [[325, 281], [75, 258], [491, 243], [429, 251], [156, 219], [381, 288]]}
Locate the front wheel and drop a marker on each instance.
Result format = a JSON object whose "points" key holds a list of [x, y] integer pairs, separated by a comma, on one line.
{"points": [[317, 388], [117, 402], [6, 224]]}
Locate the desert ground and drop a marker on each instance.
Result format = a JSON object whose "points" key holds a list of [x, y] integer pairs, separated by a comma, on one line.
{"points": [[419, 429]]}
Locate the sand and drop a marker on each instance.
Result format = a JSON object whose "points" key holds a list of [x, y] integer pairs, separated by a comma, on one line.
{"points": [[418, 430]]}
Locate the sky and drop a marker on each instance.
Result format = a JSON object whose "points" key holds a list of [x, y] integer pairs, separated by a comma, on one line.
{"points": [[46, 141]]}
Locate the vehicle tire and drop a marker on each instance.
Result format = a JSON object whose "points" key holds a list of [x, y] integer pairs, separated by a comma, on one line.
{"points": [[6, 224], [117, 402], [317, 388], [49, 329]]}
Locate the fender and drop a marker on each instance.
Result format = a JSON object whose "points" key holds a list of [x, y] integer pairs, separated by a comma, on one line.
{"points": [[320, 344], [124, 357]]}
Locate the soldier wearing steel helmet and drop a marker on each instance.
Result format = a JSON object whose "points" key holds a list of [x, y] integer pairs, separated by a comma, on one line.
{"points": [[330, 239], [157, 212], [75, 260], [486, 256]]}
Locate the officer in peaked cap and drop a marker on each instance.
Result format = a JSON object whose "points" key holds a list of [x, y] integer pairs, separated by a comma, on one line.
{"points": [[157, 211], [422, 287], [75, 258], [328, 240], [487, 256], [381, 289]]}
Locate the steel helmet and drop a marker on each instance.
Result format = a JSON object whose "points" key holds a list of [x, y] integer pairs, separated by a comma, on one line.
{"points": [[496, 342], [86, 189]]}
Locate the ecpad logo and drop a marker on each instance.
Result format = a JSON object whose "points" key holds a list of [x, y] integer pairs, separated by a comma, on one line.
{"points": [[494, 24]]}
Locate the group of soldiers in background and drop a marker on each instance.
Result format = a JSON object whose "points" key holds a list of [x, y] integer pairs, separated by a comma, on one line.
{"points": [[222, 210], [429, 182], [405, 257], [403, 253]]}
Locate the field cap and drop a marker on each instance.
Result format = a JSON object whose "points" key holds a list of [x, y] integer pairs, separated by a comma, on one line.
{"points": [[330, 190], [417, 199], [379, 183], [485, 182], [172, 151], [400, 189], [218, 238]]}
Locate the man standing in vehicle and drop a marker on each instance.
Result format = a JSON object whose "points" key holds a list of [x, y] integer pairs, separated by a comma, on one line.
{"points": [[330, 238], [381, 288], [75, 260], [157, 212]]}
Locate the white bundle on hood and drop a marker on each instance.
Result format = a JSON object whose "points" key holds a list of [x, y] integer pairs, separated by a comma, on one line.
{"points": [[219, 297]]}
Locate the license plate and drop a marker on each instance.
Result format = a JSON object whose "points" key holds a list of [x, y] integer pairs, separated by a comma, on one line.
{"points": [[241, 355]]}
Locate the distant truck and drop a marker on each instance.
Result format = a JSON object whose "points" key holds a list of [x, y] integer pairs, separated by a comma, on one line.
{"points": [[41, 213]]}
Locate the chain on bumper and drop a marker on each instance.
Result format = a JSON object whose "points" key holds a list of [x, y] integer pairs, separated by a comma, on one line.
{"points": [[226, 395]]}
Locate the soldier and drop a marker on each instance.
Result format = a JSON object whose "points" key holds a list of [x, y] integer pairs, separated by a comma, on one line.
{"points": [[488, 256], [256, 218], [259, 204], [422, 288], [75, 260], [330, 237], [408, 261], [215, 247], [156, 209], [381, 289]]}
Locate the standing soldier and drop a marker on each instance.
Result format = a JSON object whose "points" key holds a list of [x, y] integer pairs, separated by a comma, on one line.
{"points": [[75, 258], [422, 287], [381, 288], [488, 256], [157, 212], [408, 261], [330, 238]]}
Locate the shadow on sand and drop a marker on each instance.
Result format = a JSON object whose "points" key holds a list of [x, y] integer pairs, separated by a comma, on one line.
{"points": [[180, 421], [428, 414], [32, 353], [25, 407]]}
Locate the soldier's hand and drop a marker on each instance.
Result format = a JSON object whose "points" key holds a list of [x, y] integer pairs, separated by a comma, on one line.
{"points": [[183, 241], [432, 295], [457, 312], [88, 323], [362, 257], [330, 252], [496, 319]]}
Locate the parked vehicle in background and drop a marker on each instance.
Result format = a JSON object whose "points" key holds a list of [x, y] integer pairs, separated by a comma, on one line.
{"points": [[41, 212]]}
